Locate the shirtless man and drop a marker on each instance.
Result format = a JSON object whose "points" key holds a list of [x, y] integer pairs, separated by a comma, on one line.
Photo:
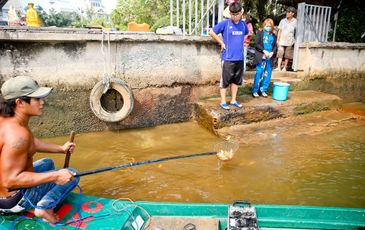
{"points": [[44, 186]]}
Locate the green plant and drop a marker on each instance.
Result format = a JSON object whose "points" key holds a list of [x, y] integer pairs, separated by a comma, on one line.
{"points": [[141, 11], [350, 24], [60, 19]]}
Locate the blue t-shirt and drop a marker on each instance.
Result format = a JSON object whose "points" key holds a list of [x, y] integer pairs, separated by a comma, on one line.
{"points": [[233, 36], [268, 40]]}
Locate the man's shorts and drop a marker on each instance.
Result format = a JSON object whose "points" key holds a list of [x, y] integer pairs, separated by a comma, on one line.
{"points": [[287, 51], [231, 73]]}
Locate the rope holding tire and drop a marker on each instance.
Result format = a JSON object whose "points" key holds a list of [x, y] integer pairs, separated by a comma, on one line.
{"points": [[101, 88]]}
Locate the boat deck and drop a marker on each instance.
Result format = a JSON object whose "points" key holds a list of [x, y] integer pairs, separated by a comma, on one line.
{"points": [[88, 212]]}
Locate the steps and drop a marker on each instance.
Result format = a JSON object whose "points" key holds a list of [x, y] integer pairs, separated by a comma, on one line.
{"points": [[211, 116], [295, 79], [263, 119], [277, 76]]}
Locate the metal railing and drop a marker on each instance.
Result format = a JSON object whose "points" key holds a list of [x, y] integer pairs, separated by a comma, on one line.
{"points": [[195, 17], [313, 25]]}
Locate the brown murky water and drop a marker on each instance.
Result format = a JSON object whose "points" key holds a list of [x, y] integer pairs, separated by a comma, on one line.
{"points": [[324, 170]]}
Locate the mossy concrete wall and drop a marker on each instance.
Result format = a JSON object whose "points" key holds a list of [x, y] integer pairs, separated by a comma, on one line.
{"points": [[349, 85], [166, 74], [333, 67]]}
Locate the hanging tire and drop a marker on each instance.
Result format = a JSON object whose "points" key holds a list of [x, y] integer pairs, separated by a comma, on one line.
{"points": [[123, 89]]}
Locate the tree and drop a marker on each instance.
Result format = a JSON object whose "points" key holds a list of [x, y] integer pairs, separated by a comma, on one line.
{"points": [[350, 25], [262, 9], [93, 18], [153, 12], [59, 19], [351, 15], [156, 14]]}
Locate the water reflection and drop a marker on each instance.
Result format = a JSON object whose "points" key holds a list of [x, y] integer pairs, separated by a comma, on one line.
{"points": [[321, 170]]}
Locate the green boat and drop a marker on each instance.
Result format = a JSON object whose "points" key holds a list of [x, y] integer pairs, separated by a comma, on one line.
{"points": [[89, 212]]}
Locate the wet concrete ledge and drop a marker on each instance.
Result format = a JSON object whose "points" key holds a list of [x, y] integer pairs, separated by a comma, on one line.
{"points": [[312, 124], [211, 116]]}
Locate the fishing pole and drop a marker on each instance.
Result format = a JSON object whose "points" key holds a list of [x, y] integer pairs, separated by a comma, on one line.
{"points": [[132, 164]]}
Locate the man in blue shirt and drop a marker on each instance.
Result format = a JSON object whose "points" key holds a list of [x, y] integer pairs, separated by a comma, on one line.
{"points": [[233, 32]]}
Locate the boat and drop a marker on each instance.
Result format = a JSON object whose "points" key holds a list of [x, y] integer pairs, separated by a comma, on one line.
{"points": [[90, 212]]}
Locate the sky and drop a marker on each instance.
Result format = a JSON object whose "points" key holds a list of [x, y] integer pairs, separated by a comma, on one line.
{"points": [[110, 5]]}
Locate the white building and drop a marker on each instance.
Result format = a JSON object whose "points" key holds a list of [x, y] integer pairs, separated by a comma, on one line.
{"points": [[79, 6]]}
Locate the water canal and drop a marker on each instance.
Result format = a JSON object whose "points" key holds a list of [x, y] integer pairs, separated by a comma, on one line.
{"points": [[326, 170]]}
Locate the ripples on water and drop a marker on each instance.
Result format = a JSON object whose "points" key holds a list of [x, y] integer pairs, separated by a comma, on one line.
{"points": [[324, 170]]}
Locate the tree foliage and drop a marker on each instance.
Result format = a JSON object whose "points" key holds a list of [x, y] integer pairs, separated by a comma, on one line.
{"points": [[351, 16], [73, 19], [350, 25], [59, 19], [262, 9], [93, 18], [153, 12], [156, 13]]}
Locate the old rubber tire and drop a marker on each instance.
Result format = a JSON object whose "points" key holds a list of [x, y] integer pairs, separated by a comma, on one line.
{"points": [[126, 93]]}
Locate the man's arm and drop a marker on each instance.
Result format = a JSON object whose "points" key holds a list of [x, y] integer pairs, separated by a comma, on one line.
{"points": [[248, 33], [15, 165], [250, 30], [217, 39], [278, 37], [279, 32], [44, 147]]}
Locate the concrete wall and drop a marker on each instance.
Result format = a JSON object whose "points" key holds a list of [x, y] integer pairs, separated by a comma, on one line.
{"points": [[76, 58], [315, 57], [166, 73], [336, 68]]}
